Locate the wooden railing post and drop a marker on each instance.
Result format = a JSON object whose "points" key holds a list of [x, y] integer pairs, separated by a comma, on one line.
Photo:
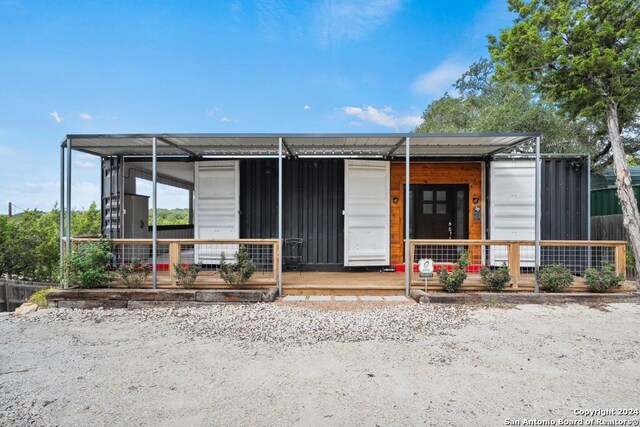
{"points": [[276, 260], [621, 259], [412, 252], [175, 257], [514, 263]]}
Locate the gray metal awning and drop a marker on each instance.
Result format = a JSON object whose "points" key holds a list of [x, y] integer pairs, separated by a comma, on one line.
{"points": [[361, 145]]}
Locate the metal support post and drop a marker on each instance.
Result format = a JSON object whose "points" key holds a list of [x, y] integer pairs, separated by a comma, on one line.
{"points": [[61, 207], [538, 193], [154, 232], [68, 188], [280, 248], [407, 244]]}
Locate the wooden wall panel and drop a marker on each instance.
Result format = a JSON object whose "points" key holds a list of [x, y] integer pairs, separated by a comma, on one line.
{"points": [[432, 173]]}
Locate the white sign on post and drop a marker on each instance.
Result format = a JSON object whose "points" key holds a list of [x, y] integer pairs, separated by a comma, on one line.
{"points": [[425, 267]]}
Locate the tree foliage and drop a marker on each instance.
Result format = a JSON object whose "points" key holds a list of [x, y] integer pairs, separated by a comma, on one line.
{"points": [[30, 242], [176, 216], [480, 103]]}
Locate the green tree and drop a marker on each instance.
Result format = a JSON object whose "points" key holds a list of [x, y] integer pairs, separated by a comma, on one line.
{"points": [[86, 223], [585, 56], [29, 246], [483, 104]]}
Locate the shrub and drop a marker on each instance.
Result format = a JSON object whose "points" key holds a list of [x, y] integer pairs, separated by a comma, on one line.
{"points": [[89, 264], [603, 280], [237, 273], [554, 278], [453, 280], [134, 274], [186, 276], [496, 280], [40, 297]]}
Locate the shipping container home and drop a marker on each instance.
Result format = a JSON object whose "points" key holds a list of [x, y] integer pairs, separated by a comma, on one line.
{"points": [[306, 204]]}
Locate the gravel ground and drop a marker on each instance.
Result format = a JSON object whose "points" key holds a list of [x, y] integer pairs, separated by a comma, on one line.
{"points": [[275, 364]]}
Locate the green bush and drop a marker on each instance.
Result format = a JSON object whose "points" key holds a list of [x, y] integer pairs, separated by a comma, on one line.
{"points": [[89, 264], [133, 274], [186, 277], [496, 280], [554, 278], [453, 280], [237, 273], [604, 279], [40, 297]]}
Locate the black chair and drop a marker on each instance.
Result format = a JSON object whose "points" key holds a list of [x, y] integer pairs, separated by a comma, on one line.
{"points": [[293, 253]]}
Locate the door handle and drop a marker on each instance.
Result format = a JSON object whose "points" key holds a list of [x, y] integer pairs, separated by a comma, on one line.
{"points": [[450, 230]]}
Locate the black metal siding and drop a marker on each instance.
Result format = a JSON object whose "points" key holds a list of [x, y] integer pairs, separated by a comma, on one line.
{"points": [[313, 201], [565, 191]]}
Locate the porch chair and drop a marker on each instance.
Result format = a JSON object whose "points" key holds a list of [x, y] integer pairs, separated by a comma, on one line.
{"points": [[293, 253]]}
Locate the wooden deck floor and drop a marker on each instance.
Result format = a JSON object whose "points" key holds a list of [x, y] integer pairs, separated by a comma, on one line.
{"points": [[360, 283]]}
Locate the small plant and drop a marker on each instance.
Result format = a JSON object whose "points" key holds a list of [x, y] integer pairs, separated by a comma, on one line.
{"points": [[496, 280], [237, 273], [554, 278], [133, 274], [89, 264], [40, 297], [604, 279], [186, 276], [453, 280]]}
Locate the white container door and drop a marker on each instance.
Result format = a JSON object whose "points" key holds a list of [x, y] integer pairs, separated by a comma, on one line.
{"points": [[366, 222], [512, 207], [217, 208]]}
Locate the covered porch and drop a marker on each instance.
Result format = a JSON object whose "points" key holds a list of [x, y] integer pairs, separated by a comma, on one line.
{"points": [[264, 191]]}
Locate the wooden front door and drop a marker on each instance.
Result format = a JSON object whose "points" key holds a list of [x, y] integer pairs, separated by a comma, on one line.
{"points": [[439, 211]]}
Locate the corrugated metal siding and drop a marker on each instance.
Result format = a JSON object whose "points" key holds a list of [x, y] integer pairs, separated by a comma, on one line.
{"points": [[565, 192], [605, 202], [313, 201]]}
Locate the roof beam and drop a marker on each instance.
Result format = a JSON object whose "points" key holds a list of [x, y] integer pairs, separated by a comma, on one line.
{"points": [[500, 150], [289, 150], [395, 148], [173, 144]]}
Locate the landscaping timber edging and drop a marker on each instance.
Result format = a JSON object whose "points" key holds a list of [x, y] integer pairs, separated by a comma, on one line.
{"points": [[522, 298], [149, 298]]}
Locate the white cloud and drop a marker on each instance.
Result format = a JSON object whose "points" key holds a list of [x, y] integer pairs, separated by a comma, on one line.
{"points": [[213, 111], [225, 119], [85, 116], [385, 117], [353, 19], [440, 79], [86, 161], [56, 116], [306, 107]]}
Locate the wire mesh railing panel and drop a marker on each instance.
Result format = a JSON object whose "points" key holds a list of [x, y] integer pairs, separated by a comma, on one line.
{"points": [[138, 252], [211, 255], [577, 258], [263, 254], [520, 256]]}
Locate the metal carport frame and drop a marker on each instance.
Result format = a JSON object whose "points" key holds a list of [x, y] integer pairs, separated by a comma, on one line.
{"points": [[202, 146]]}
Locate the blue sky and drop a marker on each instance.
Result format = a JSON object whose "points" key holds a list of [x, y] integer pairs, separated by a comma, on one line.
{"points": [[217, 66]]}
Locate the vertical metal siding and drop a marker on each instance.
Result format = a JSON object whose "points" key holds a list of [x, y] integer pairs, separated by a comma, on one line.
{"points": [[565, 210], [313, 201]]}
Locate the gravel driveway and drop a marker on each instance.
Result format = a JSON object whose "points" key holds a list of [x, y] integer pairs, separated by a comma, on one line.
{"points": [[274, 364]]}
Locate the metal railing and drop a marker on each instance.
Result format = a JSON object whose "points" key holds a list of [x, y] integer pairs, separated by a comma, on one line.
{"points": [[519, 257], [264, 253]]}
